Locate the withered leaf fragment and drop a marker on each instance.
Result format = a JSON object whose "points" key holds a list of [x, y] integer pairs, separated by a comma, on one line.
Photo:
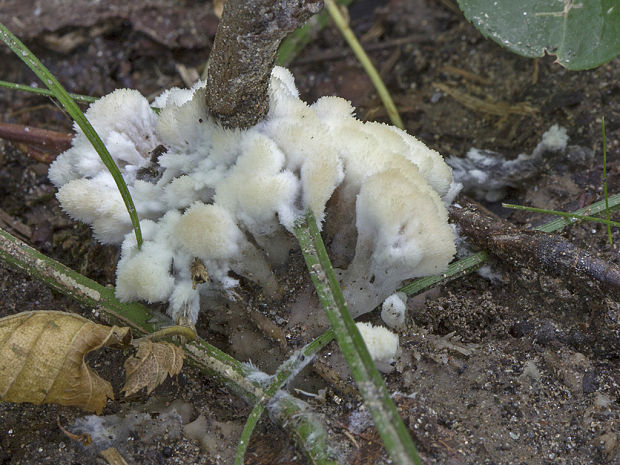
{"points": [[42, 359], [152, 364]]}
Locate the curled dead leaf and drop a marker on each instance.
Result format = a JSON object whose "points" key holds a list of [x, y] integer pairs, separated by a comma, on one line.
{"points": [[42, 359], [152, 364]]}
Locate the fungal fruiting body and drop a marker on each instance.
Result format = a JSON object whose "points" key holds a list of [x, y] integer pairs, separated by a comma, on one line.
{"points": [[393, 310], [229, 198], [382, 345]]}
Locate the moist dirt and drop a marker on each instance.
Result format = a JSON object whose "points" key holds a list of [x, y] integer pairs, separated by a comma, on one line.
{"points": [[509, 366]]}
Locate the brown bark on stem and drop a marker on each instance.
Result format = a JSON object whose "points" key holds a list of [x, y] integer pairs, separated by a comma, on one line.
{"points": [[244, 54]]}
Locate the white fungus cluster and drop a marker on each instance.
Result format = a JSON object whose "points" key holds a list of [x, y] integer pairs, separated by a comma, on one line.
{"points": [[230, 198], [382, 345]]}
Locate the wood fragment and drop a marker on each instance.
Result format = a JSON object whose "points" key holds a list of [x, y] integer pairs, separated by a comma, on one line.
{"points": [[452, 7], [536, 250], [46, 139], [16, 227], [466, 75], [268, 328], [535, 71], [83, 438], [244, 53], [497, 108], [189, 75], [38, 155], [335, 378], [386, 67], [113, 456]]}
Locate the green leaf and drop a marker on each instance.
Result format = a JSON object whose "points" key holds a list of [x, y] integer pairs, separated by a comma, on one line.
{"points": [[582, 33]]}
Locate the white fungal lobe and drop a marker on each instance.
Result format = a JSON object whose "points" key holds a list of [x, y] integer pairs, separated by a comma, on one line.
{"points": [[393, 310], [230, 198], [382, 344]]}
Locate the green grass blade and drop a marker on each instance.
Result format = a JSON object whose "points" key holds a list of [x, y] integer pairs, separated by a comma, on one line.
{"points": [[573, 216], [364, 60], [299, 38], [387, 420], [283, 376], [46, 92], [23, 258], [612, 203], [224, 368], [459, 268], [72, 108]]}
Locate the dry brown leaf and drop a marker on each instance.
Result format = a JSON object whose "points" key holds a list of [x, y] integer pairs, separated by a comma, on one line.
{"points": [[153, 363], [42, 359]]}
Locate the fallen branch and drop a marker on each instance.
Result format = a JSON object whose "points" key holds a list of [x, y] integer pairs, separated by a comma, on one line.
{"points": [[535, 249], [47, 143]]}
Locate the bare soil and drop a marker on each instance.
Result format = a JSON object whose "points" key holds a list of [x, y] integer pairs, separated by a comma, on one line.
{"points": [[521, 370]]}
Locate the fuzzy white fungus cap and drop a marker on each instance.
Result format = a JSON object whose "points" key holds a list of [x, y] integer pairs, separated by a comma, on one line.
{"points": [[402, 232], [230, 198], [382, 345], [394, 309]]}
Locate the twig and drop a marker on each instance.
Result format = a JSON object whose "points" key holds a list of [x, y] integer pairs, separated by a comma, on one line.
{"points": [[52, 141], [452, 7], [535, 249], [605, 179], [113, 456], [346, 51], [243, 55], [13, 224], [466, 75], [84, 438], [486, 106]]}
